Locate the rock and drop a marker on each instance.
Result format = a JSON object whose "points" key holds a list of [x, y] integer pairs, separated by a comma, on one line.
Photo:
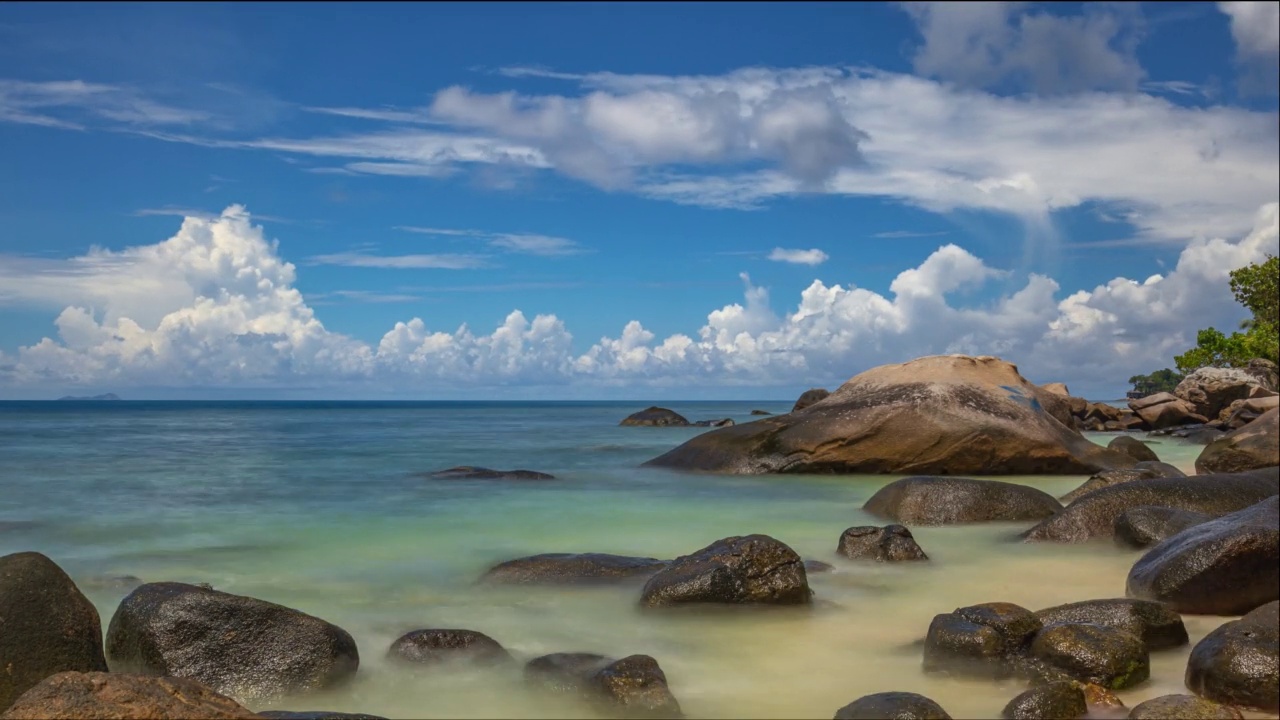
{"points": [[468, 472], [1239, 663], [1256, 445], [813, 567], [436, 647], [1242, 412], [1226, 566], [1078, 406], [572, 568], [1163, 410], [634, 686], [1156, 624], [95, 695], [1094, 515], [1266, 373], [1102, 412], [894, 706], [1197, 434], [944, 415], [1147, 525], [726, 422], [315, 715], [1091, 653], [1062, 700], [1134, 448], [1100, 700], [1144, 470], [951, 501], [655, 417], [46, 625], [245, 648], [1210, 389], [761, 412], [563, 672], [810, 397], [752, 570], [1183, 707], [891, 543], [1130, 421], [978, 640], [1057, 389]]}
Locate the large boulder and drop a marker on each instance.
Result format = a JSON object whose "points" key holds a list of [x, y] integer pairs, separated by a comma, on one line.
{"points": [[951, 501], [1163, 410], [944, 415], [809, 397], [1256, 445], [95, 695], [1242, 412], [892, 705], [1093, 516], [470, 472], [1056, 388], [564, 672], [1099, 654], [1226, 566], [1156, 624], [438, 647], [750, 570], [633, 687], [1061, 700], [1266, 373], [1144, 526], [242, 647], [1134, 448], [1183, 707], [1239, 663], [46, 625], [1210, 389], [1144, 470], [891, 543], [655, 417], [979, 640], [573, 568]]}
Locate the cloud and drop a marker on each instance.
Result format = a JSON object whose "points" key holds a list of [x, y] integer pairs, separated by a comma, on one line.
{"points": [[69, 104], [908, 234], [361, 296], [1255, 26], [798, 257], [446, 261], [521, 243]]}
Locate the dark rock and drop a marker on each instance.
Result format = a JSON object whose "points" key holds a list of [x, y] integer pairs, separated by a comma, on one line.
{"points": [[468, 472], [1156, 624], [1145, 470], [1198, 435], [1093, 653], [46, 625], [316, 715], [1147, 525], [1242, 412], [1163, 410], [810, 397], [573, 568], [1134, 448], [1183, 707], [1061, 700], [813, 567], [435, 647], [564, 672], [725, 422], [761, 412], [1225, 566], [1239, 663], [1209, 390], [246, 648], [892, 706], [634, 687], [1094, 515], [754, 570], [978, 640], [891, 543], [655, 417], [1256, 445], [96, 695], [951, 501]]}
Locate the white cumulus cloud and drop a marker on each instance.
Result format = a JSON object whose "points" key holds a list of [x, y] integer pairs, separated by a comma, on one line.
{"points": [[798, 257], [1255, 26]]}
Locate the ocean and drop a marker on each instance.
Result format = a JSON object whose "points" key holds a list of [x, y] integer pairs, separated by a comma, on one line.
{"points": [[319, 506]]}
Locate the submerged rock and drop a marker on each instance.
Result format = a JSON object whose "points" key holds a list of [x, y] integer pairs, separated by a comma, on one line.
{"points": [[1134, 448], [761, 412], [891, 543], [94, 695], [725, 422], [751, 570], [1090, 653], [810, 397], [893, 705], [1145, 470], [1239, 663], [1183, 707], [633, 687], [951, 501], [1147, 525], [1156, 624], [315, 715], [436, 647], [1060, 700], [655, 417], [978, 640], [572, 568], [1256, 445], [813, 567], [563, 672], [469, 472]]}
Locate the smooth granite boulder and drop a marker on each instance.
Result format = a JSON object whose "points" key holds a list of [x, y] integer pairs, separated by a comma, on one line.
{"points": [[1211, 389], [1239, 663], [748, 570], [1256, 445], [953, 501], [100, 695], [1183, 707], [573, 569], [633, 687], [437, 647], [809, 397], [1156, 624], [891, 543], [655, 417], [979, 640], [1060, 700], [470, 472], [1147, 525], [1107, 656], [1145, 470], [892, 706], [1134, 448], [1165, 410]]}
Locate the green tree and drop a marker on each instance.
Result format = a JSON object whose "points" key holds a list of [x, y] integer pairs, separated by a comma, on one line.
{"points": [[1257, 287], [1159, 381]]}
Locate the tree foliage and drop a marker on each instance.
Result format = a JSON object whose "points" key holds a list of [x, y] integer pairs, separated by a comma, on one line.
{"points": [[1255, 286], [1159, 381]]}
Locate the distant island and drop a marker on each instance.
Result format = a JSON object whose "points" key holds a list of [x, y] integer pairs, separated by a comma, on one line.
{"points": [[108, 396]]}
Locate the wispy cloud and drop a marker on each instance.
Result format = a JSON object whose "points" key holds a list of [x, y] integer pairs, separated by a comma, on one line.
{"points": [[909, 234], [521, 243], [500, 287], [361, 296], [172, 211], [382, 114], [402, 262], [798, 257], [70, 104]]}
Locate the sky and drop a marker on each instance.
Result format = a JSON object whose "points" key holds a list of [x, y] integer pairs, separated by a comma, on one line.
{"points": [[615, 200]]}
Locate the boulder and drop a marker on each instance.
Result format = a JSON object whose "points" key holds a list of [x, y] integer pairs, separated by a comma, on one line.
{"points": [[1194, 434], [1242, 412], [1078, 406], [1226, 566], [813, 567], [572, 568], [46, 625], [1156, 624], [242, 647], [724, 422], [1099, 654], [1210, 389], [1144, 526], [1266, 373], [810, 397], [1144, 470], [891, 543], [563, 672], [1239, 663], [749, 570], [94, 695], [761, 412], [1130, 421], [1183, 707], [943, 415], [1062, 700], [437, 647], [1057, 389], [634, 686], [655, 417], [1134, 448], [894, 705], [1163, 410], [978, 640], [1102, 412], [952, 501], [468, 472], [1093, 516], [1256, 445]]}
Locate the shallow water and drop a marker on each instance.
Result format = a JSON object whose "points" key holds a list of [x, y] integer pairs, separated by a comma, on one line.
{"points": [[315, 506]]}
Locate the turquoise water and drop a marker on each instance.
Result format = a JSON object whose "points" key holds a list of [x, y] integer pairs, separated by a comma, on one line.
{"points": [[316, 506]]}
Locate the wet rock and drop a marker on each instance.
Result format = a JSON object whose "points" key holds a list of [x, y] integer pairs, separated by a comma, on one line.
{"points": [[1239, 663], [46, 625], [1094, 515], [891, 543], [94, 695], [633, 687], [751, 570], [1163, 410], [573, 568], [1101, 701], [1226, 566], [1209, 390], [945, 415], [761, 412], [655, 417], [1256, 445], [1061, 700], [725, 422], [951, 501], [1156, 624], [1183, 707], [1134, 448], [1093, 653], [978, 640], [436, 647], [894, 706], [813, 567], [1145, 470], [810, 397], [245, 648], [563, 672], [1147, 525], [1197, 434], [468, 472]]}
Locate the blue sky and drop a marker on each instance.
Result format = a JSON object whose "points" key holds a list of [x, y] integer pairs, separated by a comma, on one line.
{"points": [[779, 194]]}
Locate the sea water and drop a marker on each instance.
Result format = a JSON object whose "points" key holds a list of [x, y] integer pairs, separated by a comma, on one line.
{"points": [[320, 507]]}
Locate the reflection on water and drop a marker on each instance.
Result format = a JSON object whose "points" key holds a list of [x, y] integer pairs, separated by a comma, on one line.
{"points": [[316, 508]]}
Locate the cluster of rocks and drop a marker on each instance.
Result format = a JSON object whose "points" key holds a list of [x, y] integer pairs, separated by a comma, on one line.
{"points": [[662, 417]]}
